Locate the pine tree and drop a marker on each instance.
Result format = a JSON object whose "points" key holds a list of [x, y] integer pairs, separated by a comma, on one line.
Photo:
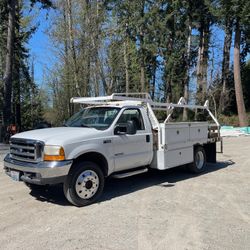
{"points": [[8, 72], [15, 54], [204, 21], [242, 21]]}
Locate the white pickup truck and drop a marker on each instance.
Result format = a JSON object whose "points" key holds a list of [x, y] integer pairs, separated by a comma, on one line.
{"points": [[116, 136]]}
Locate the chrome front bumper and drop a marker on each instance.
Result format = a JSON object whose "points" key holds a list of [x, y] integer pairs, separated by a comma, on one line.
{"points": [[42, 173]]}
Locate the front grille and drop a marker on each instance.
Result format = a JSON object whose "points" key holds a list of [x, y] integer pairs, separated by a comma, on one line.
{"points": [[26, 150]]}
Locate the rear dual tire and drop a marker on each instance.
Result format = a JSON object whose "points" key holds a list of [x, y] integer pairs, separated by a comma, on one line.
{"points": [[199, 163]]}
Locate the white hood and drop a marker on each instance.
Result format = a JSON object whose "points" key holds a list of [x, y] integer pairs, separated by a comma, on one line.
{"points": [[61, 135]]}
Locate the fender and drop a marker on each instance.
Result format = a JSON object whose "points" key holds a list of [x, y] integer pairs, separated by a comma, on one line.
{"points": [[76, 150]]}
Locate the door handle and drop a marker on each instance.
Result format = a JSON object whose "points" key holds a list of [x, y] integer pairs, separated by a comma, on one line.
{"points": [[147, 138]]}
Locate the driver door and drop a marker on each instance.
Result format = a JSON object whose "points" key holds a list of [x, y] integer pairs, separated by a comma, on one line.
{"points": [[132, 151]]}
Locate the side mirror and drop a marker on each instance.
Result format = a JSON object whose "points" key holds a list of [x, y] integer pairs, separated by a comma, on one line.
{"points": [[120, 129], [123, 129], [131, 129]]}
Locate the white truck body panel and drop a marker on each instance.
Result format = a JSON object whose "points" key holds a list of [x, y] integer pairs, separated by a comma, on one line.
{"points": [[177, 143], [132, 151], [172, 158], [181, 134]]}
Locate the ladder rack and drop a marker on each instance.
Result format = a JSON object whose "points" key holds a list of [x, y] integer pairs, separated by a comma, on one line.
{"points": [[145, 99]]}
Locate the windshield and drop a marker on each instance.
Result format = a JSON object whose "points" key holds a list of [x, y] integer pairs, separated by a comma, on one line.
{"points": [[96, 117]]}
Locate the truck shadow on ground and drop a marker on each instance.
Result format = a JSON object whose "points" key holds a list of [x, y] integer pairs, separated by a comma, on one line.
{"points": [[119, 187]]}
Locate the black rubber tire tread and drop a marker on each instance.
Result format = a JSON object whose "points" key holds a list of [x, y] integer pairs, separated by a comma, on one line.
{"points": [[69, 184], [192, 166]]}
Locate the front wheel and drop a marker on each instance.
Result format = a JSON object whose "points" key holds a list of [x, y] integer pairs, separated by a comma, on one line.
{"points": [[199, 163], [84, 184]]}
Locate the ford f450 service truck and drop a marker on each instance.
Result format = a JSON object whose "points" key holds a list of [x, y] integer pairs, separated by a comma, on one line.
{"points": [[117, 135]]}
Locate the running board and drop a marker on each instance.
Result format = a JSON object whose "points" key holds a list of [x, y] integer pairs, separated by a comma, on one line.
{"points": [[130, 173]]}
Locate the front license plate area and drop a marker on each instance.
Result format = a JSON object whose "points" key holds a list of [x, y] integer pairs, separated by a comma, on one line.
{"points": [[15, 175]]}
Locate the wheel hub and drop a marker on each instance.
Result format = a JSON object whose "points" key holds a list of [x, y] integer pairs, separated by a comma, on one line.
{"points": [[87, 184], [199, 160]]}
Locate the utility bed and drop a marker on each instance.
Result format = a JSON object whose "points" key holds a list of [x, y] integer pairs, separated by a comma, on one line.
{"points": [[177, 141]]}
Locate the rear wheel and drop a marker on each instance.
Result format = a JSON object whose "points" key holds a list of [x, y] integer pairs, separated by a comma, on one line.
{"points": [[199, 163], [84, 184]]}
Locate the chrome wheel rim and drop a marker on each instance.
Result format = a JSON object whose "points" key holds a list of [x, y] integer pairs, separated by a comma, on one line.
{"points": [[87, 184], [199, 159]]}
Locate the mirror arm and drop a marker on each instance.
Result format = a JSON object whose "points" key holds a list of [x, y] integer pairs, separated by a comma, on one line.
{"points": [[121, 133]]}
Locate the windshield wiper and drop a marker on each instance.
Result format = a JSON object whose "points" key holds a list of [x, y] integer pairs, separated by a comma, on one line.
{"points": [[85, 126]]}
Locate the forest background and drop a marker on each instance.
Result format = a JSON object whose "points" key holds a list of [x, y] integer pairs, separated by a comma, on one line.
{"points": [[196, 49]]}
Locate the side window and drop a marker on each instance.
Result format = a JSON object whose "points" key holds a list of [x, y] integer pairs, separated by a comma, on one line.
{"points": [[132, 115]]}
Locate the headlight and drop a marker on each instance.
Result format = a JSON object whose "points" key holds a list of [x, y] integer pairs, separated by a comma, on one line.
{"points": [[53, 153]]}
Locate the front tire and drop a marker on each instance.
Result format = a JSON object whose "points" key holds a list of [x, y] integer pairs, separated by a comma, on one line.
{"points": [[84, 184], [199, 163]]}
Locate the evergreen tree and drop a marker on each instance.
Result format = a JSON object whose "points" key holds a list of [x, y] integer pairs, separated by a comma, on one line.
{"points": [[14, 55]]}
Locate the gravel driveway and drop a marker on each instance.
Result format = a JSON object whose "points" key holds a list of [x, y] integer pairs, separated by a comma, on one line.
{"points": [[160, 210]]}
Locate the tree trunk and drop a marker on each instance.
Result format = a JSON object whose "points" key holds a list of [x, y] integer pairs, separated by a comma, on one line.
{"points": [[96, 44], [186, 83], [226, 62], [96, 73], [142, 58], [199, 63], [72, 46], [89, 35], [17, 95], [108, 87], [142, 75], [126, 64], [203, 60], [154, 77], [7, 79], [169, 95], [16, 72], [237, 78], [67, 78]]}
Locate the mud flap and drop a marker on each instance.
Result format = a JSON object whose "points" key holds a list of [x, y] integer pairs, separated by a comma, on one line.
{"points": [[210, 150]]}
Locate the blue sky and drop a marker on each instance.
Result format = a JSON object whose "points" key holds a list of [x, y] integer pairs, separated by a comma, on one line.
{"points": [[39, 45]]}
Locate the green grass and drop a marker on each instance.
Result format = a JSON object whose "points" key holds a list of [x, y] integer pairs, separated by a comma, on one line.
{"points": [[232, 120]]}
